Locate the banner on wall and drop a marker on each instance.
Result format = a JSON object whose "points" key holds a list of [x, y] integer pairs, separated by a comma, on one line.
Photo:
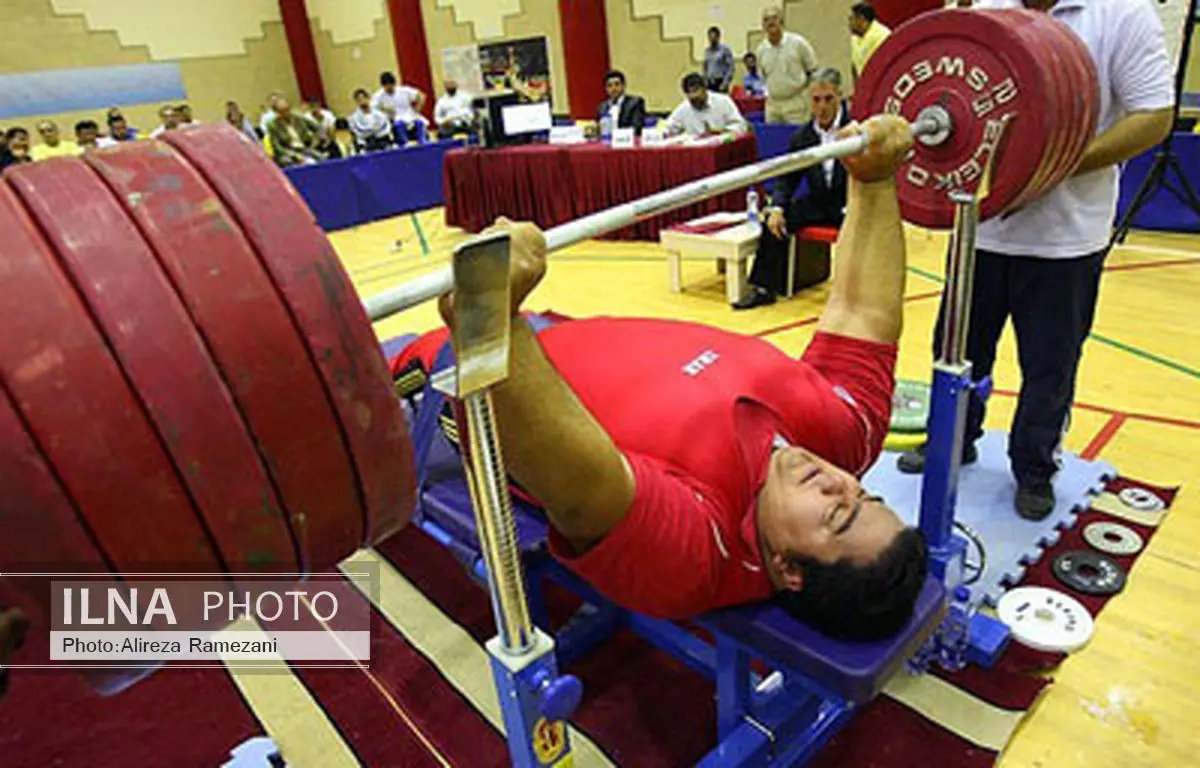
{"points": [[494, 69]]}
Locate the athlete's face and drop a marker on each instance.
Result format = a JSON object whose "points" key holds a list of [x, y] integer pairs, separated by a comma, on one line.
{"points": [[809, 508]]}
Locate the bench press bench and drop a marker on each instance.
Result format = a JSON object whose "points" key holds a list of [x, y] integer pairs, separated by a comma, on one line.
{"points": [[816, 685]]}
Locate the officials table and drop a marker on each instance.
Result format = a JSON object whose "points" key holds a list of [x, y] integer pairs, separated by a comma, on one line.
{"points": [[551, 185]]}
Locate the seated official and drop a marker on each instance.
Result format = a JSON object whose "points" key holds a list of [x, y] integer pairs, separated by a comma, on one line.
{"points": [[623, 109], [683, 468], [295, 138], [704, 113], [815, 196], [371, 128], [454, 112], [753, 82]]}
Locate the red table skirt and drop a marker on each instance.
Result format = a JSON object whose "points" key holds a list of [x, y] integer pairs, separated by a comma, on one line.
{"points": [[551, 185]]}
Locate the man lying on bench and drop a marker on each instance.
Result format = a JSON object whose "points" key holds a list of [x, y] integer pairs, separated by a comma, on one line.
{"points": [[683, 468]]}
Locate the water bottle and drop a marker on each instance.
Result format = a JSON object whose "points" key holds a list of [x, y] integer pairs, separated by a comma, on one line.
{"points": [[752, 215]]}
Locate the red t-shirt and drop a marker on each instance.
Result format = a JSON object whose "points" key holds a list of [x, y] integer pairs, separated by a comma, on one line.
{"points": [[696, 410]]}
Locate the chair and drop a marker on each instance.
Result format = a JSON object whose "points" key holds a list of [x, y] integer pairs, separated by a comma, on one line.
{"points": [[809, 261]]}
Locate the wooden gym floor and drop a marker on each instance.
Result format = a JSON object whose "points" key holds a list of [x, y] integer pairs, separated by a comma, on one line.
{"points": [[1129, 698]]}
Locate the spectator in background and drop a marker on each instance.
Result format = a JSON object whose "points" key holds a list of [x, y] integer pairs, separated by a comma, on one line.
{"points": [[295, 138], [268, 115], [324, 119], [17, 147], [623, 109], [718, 63], [234, 116], [52, 144], [788, 62], [704, 113], [185, 115], [371, 128], [118, 128], [170, 121], [401, 104], [453, 112], [87, 136], [814, 196], [343, 138], [866, 34], [753, 81]]}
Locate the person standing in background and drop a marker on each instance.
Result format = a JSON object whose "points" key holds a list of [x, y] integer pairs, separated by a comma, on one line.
{"points": [[788, 63], [52, 144], [1041, 265], [867, 33], [718, 63]]}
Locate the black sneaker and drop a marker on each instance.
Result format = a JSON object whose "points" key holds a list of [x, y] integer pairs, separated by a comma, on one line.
{"points": [[913, 462], [1035, 500], [757, 297]]}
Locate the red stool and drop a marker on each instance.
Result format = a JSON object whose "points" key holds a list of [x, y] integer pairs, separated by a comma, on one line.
{"points": [[809, 263]]}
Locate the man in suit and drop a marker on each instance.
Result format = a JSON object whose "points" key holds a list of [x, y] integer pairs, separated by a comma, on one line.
{"points": [[625, 110], [815, 196]]}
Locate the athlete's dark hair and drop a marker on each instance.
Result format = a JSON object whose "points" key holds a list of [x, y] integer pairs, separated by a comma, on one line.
{"points": [[860, 602]]}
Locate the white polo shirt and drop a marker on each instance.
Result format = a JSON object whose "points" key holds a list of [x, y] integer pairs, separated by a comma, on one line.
{"points": [[402, 102], [721, 114], [1125, 38]]}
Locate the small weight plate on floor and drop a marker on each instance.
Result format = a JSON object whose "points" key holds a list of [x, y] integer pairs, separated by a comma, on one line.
{"points": [[1113, 538], [1090, 573], [1046, 619], [1141, 500], [910, 407]]}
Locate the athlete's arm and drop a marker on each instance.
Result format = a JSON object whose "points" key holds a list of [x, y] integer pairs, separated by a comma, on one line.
{"points": [[553, 447], [866, 300]]}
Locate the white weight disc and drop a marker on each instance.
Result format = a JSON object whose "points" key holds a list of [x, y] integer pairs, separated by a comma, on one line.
{"points": [[1141, 500], [1113, 538], [1046, 619]]}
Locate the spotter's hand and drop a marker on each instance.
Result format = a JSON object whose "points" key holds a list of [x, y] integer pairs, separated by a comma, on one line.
{"points": [[890, 142], [527, 264]]}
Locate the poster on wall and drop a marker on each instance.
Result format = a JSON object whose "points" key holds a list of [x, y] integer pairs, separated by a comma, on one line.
{"points": [[517, 66], [461, 64]]}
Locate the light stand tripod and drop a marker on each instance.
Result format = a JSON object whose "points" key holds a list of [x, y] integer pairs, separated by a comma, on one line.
{"points": [[1165, 159]]}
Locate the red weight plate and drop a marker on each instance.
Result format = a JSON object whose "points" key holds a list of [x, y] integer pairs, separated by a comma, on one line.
{"points": [[1038, 33], [73, 397], [164, 361], [1087, 91], [975, 66], [268, 371], [42, 533], [315, 287]]}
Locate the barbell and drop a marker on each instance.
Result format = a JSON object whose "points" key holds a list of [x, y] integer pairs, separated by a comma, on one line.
{"points": [[190, 384]]}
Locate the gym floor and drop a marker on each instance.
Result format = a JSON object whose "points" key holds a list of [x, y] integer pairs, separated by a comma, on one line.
{"points": [[1129, 697]]}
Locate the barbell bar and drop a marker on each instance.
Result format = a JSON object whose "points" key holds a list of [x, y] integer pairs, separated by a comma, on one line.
{"points": [[932, 126]]}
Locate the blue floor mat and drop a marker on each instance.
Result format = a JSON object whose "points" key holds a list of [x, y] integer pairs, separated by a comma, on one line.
{"points": [[985, 504]]}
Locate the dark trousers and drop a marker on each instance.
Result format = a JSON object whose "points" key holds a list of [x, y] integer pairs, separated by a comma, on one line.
{"points": [[1052, 303], [771, 261]]}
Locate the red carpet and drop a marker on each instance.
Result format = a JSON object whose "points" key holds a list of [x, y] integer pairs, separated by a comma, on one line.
{"points": [[640, 706]]}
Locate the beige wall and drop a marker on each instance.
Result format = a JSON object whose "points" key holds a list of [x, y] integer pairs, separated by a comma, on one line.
{"points": [[674, 30], [451, 23], [354, 45], [252, 60]]}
